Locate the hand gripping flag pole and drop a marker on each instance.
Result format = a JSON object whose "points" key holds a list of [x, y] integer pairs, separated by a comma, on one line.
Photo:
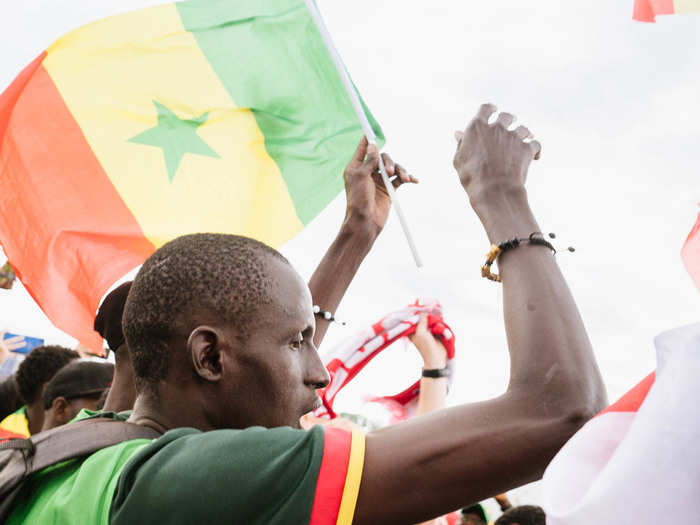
{"points": [[367, 129]]}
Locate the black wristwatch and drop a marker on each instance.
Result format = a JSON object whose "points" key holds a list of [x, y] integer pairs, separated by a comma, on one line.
{"points": [[436, 372]]}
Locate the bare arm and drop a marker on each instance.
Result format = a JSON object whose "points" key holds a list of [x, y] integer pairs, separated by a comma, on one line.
{"points": [[368, 206], [437, 463], [433, 390]]}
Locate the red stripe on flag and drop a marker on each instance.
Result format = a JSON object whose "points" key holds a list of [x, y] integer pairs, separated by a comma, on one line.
{"points": [[646, 10], [9, 97], [633, 399], [331, 476], [691, 253], [65, 228]]}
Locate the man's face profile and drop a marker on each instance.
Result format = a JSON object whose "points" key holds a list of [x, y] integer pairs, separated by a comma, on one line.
{"points": [[275, 372]]}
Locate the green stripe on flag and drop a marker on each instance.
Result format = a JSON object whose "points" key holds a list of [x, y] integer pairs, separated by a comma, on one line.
{"points": [[271, 59]]}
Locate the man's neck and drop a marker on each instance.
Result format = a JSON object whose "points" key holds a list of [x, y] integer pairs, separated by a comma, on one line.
{"points": [[122, 393], [35, 417], [179, 411]]}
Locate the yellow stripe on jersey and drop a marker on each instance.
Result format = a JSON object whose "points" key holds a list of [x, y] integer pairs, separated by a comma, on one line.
{"points": [[352, 479]]}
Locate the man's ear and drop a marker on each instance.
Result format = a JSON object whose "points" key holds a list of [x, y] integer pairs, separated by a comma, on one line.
{"points": [[61, 410], [204, 347]]}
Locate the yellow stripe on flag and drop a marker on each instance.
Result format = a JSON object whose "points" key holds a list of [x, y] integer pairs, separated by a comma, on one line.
{"points": [[352, 479], [686, 6], [128, 80]]}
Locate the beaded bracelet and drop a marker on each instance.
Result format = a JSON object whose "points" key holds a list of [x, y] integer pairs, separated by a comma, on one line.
{"points": [[326, 315], [496, 250]]}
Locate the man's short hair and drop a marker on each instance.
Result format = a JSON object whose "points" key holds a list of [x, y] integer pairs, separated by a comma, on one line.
{"points": [[39, 367], [215, 274], [78, 379], [523, 515]]}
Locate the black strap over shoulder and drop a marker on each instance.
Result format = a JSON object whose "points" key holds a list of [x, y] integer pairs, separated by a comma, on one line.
{"points": [[19, 458]]}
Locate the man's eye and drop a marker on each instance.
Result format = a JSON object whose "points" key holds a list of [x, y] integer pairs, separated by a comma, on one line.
{"points": [[296, 343]]}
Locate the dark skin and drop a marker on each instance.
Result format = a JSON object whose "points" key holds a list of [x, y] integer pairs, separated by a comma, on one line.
{"points": [[489, 447], [411, 472], [35, 413], [63, 410], [122, 393], [367, 210]]}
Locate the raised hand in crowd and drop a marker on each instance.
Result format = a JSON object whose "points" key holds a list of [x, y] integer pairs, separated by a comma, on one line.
{"points": [[10, 344], [9, 361], [367, 209], [414, 472], [433, 390]]}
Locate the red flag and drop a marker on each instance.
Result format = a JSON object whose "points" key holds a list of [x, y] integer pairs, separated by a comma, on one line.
{"points": [[646, 10], [691, 253]]}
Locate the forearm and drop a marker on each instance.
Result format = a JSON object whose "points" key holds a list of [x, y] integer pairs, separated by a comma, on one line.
{"points": [[433, 390], [338, 268], [464, 454], [550, 352]]}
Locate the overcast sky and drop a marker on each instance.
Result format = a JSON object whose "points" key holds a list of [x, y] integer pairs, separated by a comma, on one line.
{"points": [[615, 104]]}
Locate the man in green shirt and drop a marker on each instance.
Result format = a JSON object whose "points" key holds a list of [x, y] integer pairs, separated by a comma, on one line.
{"points": [[222, 334]]}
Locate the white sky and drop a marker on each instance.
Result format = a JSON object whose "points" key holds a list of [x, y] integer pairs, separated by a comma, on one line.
{"points": [[615, 104]]}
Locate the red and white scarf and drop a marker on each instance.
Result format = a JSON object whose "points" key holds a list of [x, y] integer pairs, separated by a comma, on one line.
{"points": [[347, 359]]}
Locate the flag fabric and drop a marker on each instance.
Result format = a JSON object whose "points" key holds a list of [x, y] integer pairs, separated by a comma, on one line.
{"points": [[347, 359], [637, 461], [691, 253], [188, 117], [646, 10]]}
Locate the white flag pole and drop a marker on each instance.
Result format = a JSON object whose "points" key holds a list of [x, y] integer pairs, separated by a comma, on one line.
{"points": [[366, 127]]}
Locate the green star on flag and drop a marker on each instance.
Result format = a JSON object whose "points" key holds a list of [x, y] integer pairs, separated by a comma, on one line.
{"points": [[175, 136]]}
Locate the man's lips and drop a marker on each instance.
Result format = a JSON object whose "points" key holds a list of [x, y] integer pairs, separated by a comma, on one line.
{"points": [[315, 405]]}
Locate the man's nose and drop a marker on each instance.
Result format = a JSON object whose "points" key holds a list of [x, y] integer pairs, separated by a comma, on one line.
{"points": [[317, 375]]}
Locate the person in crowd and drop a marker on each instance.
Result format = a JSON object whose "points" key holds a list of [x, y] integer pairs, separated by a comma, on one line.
{"points": [[77, 386], [10, 399], [32, 375], [108, 323], [474, 515], [522, 515], [433, 390], [223, 339]]}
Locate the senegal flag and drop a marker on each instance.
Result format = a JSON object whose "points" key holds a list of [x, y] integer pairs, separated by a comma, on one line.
{"points": [[646, 10], [218, 116]]}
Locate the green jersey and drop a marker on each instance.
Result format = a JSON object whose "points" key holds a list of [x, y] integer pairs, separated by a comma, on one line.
{"points": [[255, 475]]}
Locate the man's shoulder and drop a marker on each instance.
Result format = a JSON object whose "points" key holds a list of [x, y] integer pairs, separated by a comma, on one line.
{"points": [[52, 492], [221, 476]]}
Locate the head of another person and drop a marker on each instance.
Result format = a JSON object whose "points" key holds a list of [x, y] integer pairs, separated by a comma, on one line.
{"points": [[223, 325], [108, 321], [78, 385], [32, 375], [474, 515], [522, 515]]}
